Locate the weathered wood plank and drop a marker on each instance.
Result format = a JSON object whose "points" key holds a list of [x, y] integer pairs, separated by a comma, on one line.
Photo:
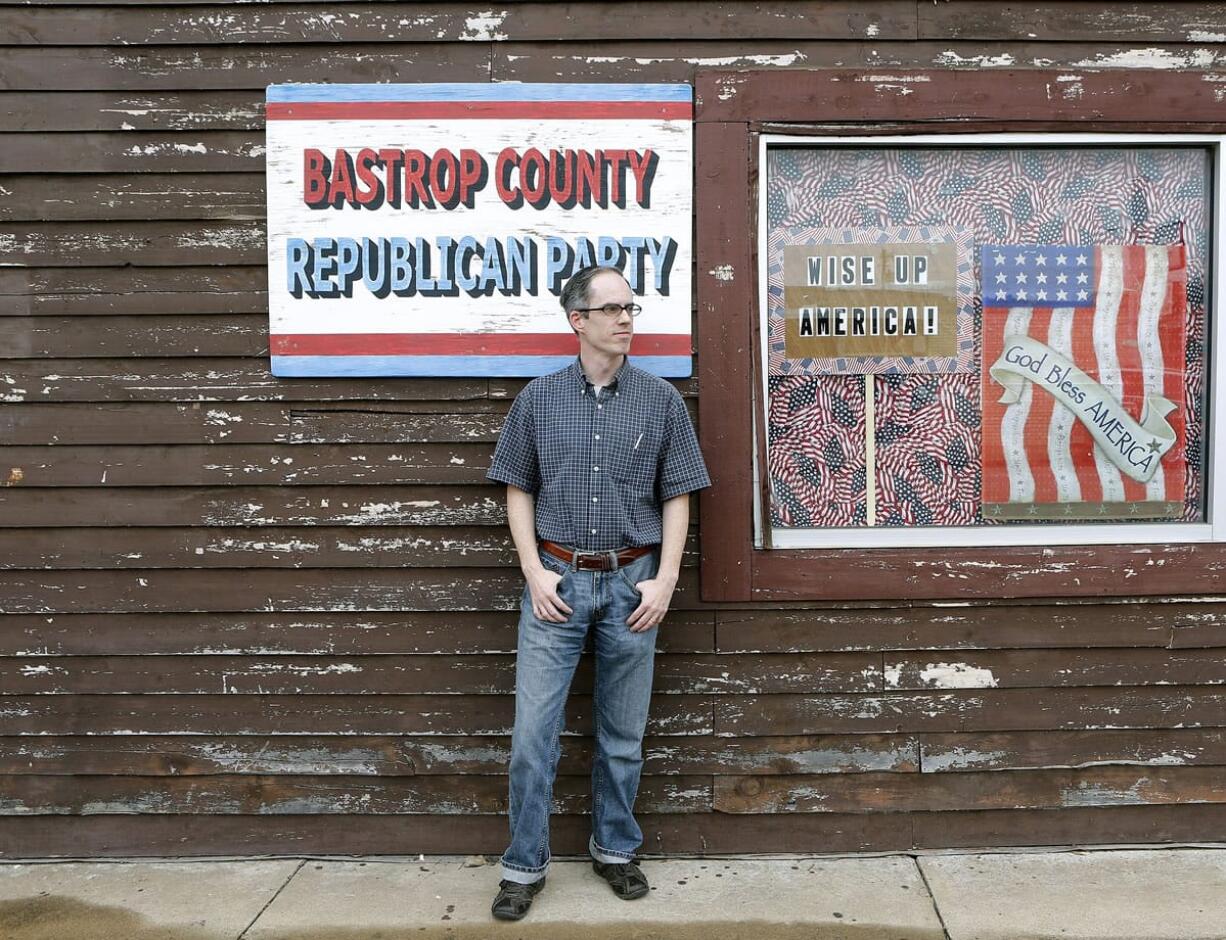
{"points": [[271, 465], [957, 92], [218, 379], [315, 714], [132, 337], [259, 795], [130, 291], [111, 196], [255, 506], [329, 634], [166, 68], [639, 61], [1048, 668], [133, 291], [445, 546], [980, 625], [39, 111], [307, 589], [1109, 825], [993, 710], [187, 755], [247, 423], [1207, 630], [212, 24], [125, 836], [391, 675], [690, 834], [252, 67], [1002, 789], [1074, 22], [1021, 750], [1015, 571], [148, 153], [271, 547], [85, 244]]}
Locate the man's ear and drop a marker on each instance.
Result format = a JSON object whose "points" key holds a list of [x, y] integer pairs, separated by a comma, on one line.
{"points": [[574, 317]]}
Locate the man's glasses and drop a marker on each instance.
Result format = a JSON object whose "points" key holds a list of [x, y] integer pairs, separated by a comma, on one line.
{"points": [[613, 310]]}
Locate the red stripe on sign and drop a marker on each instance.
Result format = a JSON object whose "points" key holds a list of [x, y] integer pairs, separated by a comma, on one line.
{"points": [[1128, 350], [1171, 325], [1081, 441], [460, 344], [994, 474], [456, 110], [1038, 420]]}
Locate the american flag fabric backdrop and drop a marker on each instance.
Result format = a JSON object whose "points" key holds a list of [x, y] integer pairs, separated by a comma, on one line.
{"points": [[1116, 312], [937, 436]]}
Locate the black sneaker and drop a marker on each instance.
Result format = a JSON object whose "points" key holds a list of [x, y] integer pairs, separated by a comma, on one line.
{"points": [[627, 879], [514, 899]]}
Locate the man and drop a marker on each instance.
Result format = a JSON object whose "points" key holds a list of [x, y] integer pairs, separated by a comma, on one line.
{"points": [[598, 460]]}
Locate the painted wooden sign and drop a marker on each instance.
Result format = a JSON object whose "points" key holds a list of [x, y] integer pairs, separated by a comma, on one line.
{"points": [[428, 229]]}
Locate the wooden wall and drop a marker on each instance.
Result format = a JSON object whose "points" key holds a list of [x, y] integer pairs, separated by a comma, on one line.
{"points": [[249, 615]]}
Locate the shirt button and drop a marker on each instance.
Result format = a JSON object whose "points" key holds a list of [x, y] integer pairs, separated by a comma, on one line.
{"points": [[597, 437], [595, 469], [600, 407], [593, 532], [595, 499]]}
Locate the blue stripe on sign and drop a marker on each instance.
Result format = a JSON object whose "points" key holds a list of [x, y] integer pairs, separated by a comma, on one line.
{"points": [[473, 91], [671, 367]]}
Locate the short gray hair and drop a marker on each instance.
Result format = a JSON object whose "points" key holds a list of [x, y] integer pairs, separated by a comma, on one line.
{"points": [[574, 294]]}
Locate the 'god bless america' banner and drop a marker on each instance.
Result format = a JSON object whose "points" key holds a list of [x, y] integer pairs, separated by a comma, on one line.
{"points": [[428, 229]]}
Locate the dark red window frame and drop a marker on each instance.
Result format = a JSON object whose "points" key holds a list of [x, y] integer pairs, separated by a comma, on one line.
{"points": [[733, 109]]}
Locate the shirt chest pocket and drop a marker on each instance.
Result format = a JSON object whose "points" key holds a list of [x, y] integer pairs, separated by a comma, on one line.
{"points": [[633, 455]]}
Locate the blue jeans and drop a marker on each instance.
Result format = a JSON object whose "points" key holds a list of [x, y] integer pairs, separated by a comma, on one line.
{"points": [[545, 664]]}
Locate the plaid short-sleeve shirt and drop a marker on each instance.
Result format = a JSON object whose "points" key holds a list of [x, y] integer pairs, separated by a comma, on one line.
{"points": [[600, 466]]}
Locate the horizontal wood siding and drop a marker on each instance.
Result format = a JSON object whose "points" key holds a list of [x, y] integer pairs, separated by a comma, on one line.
{"points": [[241, 614]]}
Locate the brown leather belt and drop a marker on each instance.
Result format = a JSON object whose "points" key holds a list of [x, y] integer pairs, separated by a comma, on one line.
{"points": [[594, 561]]}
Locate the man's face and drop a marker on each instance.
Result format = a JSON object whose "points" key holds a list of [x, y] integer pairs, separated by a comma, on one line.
{"points": [[605, 334]]}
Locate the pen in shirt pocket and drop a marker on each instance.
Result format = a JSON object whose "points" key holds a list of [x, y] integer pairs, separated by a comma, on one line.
{"points": [[638, 440]]}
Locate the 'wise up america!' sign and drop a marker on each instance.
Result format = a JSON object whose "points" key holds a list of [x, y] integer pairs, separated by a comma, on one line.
{"points": [[428, 229]]}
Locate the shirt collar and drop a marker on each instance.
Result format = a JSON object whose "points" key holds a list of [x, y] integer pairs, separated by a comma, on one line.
{"points": [[622, 374]]}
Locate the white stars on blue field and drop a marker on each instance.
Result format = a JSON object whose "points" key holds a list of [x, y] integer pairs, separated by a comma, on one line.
{"points": [[1039, 275]]}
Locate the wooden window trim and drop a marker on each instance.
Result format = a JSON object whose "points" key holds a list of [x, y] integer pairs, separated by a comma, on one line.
{"points": [[732, 110]]}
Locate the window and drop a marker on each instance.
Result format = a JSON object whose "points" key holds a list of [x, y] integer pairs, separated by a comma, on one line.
{"points": [[849, 227], [984, 342]]}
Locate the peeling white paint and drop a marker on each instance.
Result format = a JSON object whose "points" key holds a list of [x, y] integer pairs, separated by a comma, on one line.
{"points": [[1088, 794], [332, 670], [952, 59], [892, 676], [904, 79], [871, 30], [225, 546], [1204, 35], [957, 676], [722, 272], [484, 27], [1153, 58], [36, 670], [960, 758]]}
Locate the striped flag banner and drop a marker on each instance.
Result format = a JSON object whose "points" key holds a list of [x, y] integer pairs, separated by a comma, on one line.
{"points": [[1083, 381]]}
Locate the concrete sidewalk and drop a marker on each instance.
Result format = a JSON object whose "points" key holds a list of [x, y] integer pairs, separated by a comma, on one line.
{"points": [[1173, 894]]}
